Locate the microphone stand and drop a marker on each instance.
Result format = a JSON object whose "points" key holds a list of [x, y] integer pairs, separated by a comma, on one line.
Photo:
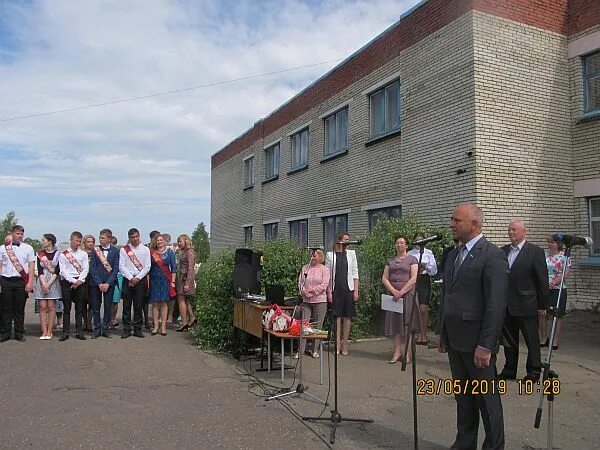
{"points": [[300, 388], [547, 373], [413, 352], [335, 418]]}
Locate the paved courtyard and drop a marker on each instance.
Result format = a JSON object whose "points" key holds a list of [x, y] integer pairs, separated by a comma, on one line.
{"points": [[162, 392]]}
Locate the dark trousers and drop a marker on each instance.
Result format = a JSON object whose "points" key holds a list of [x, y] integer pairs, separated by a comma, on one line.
{"points": [[133, 295], [469, 406], [96, 297], [529, 329], [13, 305], [69, 296]]}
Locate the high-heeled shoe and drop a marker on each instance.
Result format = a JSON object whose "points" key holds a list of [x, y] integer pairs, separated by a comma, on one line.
{"points": [[194, 322], [394, 360], [183, 328], [545, 344], [555, 347], [154, 333]]}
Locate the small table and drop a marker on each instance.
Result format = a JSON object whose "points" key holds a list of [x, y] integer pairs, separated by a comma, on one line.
{"points": [[287, 336]]}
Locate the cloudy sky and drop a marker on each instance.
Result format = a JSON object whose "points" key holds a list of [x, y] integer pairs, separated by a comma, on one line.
{"points": [[146, 163]]}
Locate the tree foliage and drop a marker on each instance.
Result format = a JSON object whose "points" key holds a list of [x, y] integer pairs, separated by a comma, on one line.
{"points": [[201, 243], [6, 225]]}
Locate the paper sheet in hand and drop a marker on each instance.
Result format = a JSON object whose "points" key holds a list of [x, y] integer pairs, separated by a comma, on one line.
{"points": [[388, 304]]}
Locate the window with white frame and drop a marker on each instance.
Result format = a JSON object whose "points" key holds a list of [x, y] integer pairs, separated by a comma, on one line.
{"points": [[272, 162], [336, 132], [385, 110], [271, 230], [299, 232], [376, 214], [591, 82], [594, 213], [247, 236], [249, 171], [299, 149], [332, 225]]}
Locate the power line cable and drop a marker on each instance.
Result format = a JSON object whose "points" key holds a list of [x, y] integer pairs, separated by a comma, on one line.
{"points": [[175, 91]]}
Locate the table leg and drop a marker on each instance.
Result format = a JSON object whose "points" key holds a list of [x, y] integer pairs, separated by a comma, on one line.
{"points": [[282, 359], [268, 352], [321, 361]]}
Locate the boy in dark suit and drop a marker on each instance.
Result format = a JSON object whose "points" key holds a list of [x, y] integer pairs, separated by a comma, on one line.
{"points": [[527, 295], [104, 267], [472, 313]]}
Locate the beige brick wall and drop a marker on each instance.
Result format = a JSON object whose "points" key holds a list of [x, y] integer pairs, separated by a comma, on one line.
{"points": [[585, 282], [416, 168]]}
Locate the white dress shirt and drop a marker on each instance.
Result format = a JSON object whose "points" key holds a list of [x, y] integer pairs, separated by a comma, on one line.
{"points": [[514, 252], [428, 259], [127, 268], [67, 270], [24, 253]]}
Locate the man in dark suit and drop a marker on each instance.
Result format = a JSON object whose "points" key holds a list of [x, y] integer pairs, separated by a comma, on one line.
{"points": [[472, 313], [104, 267], [527, 295]]}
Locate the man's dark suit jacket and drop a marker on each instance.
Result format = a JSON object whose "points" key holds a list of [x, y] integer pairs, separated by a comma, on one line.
{"points": [[99, 274], [528, 288], [474, 302]]}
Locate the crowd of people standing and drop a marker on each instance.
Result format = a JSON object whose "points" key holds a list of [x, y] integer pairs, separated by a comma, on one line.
{"points": [[93, 279]]}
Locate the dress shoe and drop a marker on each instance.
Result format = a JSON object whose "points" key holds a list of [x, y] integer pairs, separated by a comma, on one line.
{"points": [[20, 338], [95, 334], [182, 328], [530, 377], [106, 335], [80, 336], [138, 333], [506, 376], [64, 337], [125, 335]]}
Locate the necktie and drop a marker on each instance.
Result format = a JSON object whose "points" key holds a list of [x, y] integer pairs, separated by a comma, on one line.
{"points": [[16, 245], [459, 257]]}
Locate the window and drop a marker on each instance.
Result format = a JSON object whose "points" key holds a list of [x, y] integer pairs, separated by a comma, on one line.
{"points": [[594, 207], [336, 132], [299, 232], [376, 214], [591, 82], [272, 162], [332, 225], [247, 236], [271, 231], [300, 149], [249, 171], [385, 110]]}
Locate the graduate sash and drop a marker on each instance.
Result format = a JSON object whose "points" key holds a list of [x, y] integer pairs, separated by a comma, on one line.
{"points": [[103, 260], [165, 270], [16, 263], [136, 262], [46, 263], [73, 261]]}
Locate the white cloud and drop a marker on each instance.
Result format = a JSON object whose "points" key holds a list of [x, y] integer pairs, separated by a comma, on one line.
{"points": [[59, 54]]}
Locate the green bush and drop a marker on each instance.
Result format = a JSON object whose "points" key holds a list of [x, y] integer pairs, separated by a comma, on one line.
{"points": [[282, 261], [377, 248]]}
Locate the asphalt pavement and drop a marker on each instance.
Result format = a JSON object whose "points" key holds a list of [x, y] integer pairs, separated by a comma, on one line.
{"points": [[162, 392]]}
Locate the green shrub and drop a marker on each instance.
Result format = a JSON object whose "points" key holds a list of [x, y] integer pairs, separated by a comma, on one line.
{"points": [[377, 248], [282, 261]]}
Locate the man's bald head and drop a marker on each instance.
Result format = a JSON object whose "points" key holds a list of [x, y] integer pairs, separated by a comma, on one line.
{"points": [[466, 222]]}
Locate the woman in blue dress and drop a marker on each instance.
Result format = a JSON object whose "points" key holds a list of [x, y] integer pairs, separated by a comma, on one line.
{"points": [[162, 282]]}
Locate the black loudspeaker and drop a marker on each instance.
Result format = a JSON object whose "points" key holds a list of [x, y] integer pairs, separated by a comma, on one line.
{"points": [[275, 294], [246, 272]]}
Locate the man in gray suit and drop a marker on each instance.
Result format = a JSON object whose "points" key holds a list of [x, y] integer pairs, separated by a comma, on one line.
{"points": [[472, 313]]}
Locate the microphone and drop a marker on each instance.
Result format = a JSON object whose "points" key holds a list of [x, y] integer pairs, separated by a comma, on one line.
{"points": [[355, 242], [570, 240], [427, 240]]}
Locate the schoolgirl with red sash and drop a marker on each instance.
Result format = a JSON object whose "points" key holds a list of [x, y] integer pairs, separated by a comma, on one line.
{"points": [[162, 282], [47, 287]]}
